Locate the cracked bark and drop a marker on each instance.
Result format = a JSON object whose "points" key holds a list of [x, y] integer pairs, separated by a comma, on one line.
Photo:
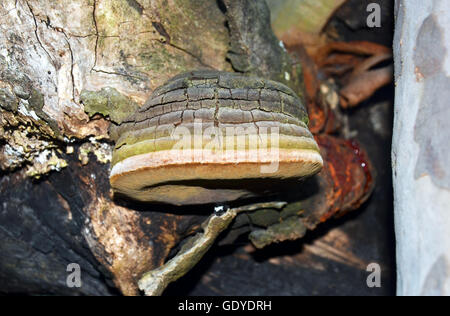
{"points": [[96, 33], [56, 50]]}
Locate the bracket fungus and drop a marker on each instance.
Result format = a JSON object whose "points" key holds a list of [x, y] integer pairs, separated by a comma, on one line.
{"points": [[209, 136]]}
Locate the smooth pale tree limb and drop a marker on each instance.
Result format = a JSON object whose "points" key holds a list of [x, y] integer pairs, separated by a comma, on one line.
{"points": [[420, 150]]}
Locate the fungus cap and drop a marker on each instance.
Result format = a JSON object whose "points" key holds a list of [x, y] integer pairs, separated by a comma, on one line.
{"points": [[208, 137]]}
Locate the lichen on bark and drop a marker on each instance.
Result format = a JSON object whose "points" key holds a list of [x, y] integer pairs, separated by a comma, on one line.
{"points": [[28, 137], [108, 102], [61, 62]]}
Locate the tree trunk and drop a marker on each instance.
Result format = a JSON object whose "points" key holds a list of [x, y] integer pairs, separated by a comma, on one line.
{"points": [[68, 70], [420, 153]]}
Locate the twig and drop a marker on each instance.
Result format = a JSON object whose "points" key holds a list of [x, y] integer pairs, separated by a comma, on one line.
{"points": [[155, 282]]}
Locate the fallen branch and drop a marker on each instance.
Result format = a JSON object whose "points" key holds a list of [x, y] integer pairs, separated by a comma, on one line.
{"points": [[153, 283]]}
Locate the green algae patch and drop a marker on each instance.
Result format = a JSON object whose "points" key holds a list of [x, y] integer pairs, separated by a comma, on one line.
{"points": [[264, 217], [8, 100], [290, 229], [292, 209], [108, 102], [150, 145]]}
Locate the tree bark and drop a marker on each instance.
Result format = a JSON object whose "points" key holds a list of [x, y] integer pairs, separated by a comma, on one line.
{"points": [[420, 151], [68, 70]]}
